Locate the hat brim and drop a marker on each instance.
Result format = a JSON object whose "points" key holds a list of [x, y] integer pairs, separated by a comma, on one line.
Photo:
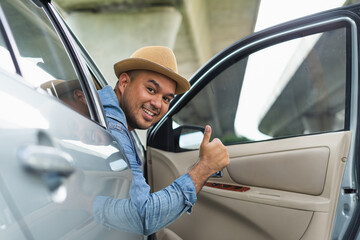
{"points": [[182, 85]]}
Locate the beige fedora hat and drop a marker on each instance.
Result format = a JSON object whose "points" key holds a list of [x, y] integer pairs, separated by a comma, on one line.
{"points": [[154, 58]]}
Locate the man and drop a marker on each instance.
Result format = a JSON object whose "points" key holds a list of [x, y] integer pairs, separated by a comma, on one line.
{"points": [[147, 82]]}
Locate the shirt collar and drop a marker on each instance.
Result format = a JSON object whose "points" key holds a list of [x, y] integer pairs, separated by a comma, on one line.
{"points": [[111, 106]]}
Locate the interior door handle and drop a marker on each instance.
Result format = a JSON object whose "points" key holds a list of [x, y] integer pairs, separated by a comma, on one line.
{"points": [[218, 174], [46, 160]]}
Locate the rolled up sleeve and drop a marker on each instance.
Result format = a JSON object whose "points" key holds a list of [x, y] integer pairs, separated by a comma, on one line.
{"points": [[149, 212]]}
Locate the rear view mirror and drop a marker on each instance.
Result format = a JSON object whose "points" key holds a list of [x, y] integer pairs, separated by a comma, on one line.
{"points": [[188, 137]]}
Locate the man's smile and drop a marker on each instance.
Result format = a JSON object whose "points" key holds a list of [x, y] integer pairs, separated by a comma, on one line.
{"points": [[149, 114]]}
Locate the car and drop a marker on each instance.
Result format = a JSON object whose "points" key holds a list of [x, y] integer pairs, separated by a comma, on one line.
{"points": [[283, 100]]}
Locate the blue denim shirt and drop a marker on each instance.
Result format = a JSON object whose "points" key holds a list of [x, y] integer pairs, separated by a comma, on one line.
{"points": [[144, 212]]}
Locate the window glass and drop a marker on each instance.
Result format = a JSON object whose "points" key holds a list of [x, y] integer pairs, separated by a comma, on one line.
{"points": [[293, 88], [44, 61]]}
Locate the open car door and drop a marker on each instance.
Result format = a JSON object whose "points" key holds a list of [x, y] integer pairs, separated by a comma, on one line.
{"points": [[285, 103]]}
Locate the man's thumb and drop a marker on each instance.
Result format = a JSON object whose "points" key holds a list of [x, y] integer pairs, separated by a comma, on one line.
{"points": [[207, 135]]}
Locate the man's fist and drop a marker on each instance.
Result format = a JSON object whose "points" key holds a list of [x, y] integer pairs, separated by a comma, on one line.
{"points": [[214, 154]]}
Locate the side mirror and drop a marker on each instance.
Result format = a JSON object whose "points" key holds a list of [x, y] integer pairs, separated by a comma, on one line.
{"points": [[188, 137]]}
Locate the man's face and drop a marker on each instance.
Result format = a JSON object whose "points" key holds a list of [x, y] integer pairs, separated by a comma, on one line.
{"points": [[145, 98]]}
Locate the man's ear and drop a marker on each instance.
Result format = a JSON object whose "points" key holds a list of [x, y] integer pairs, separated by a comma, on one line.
{"points": [[79, 96], [124, 80]]}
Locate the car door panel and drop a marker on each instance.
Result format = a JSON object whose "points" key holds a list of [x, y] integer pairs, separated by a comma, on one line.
{"points": [[272, 170], [283, 161], [280, 202]]}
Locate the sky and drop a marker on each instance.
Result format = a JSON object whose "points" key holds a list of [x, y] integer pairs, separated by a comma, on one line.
{"points": [[272, 12]]}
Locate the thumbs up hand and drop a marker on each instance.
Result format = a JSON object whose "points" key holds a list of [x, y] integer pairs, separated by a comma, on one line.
{"points": [[213, 157], [214, 154]]}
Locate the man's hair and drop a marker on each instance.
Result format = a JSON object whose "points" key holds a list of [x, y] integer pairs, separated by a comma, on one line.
{"points": [[132, 74]]}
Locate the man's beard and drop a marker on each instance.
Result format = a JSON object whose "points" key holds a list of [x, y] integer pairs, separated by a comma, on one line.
{"points": [[132, 121]]}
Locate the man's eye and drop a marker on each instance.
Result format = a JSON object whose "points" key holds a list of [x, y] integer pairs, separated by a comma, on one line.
{"points": [[167, 100], [151, 90]]}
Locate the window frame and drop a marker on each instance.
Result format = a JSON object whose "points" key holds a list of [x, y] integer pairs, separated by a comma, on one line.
{"points": [[80, 66], [249, 45], [231, 76]]}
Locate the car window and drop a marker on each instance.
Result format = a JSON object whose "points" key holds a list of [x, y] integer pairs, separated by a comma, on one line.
{"points": [[44, 61], [292, 88]]}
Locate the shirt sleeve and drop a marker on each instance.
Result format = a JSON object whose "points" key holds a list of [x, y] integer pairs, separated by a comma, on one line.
{"points": [[144, 212]]}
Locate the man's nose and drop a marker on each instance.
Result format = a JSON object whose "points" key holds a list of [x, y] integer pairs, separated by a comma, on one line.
{"points": [[156, 101]]}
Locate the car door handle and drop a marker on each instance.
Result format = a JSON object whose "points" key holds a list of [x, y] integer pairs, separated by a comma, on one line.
{"points": [[218, 174], [46, 160]]}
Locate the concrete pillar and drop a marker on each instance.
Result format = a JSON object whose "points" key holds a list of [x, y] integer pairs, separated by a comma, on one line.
{"points": [[114, 35], [198, 20]]}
